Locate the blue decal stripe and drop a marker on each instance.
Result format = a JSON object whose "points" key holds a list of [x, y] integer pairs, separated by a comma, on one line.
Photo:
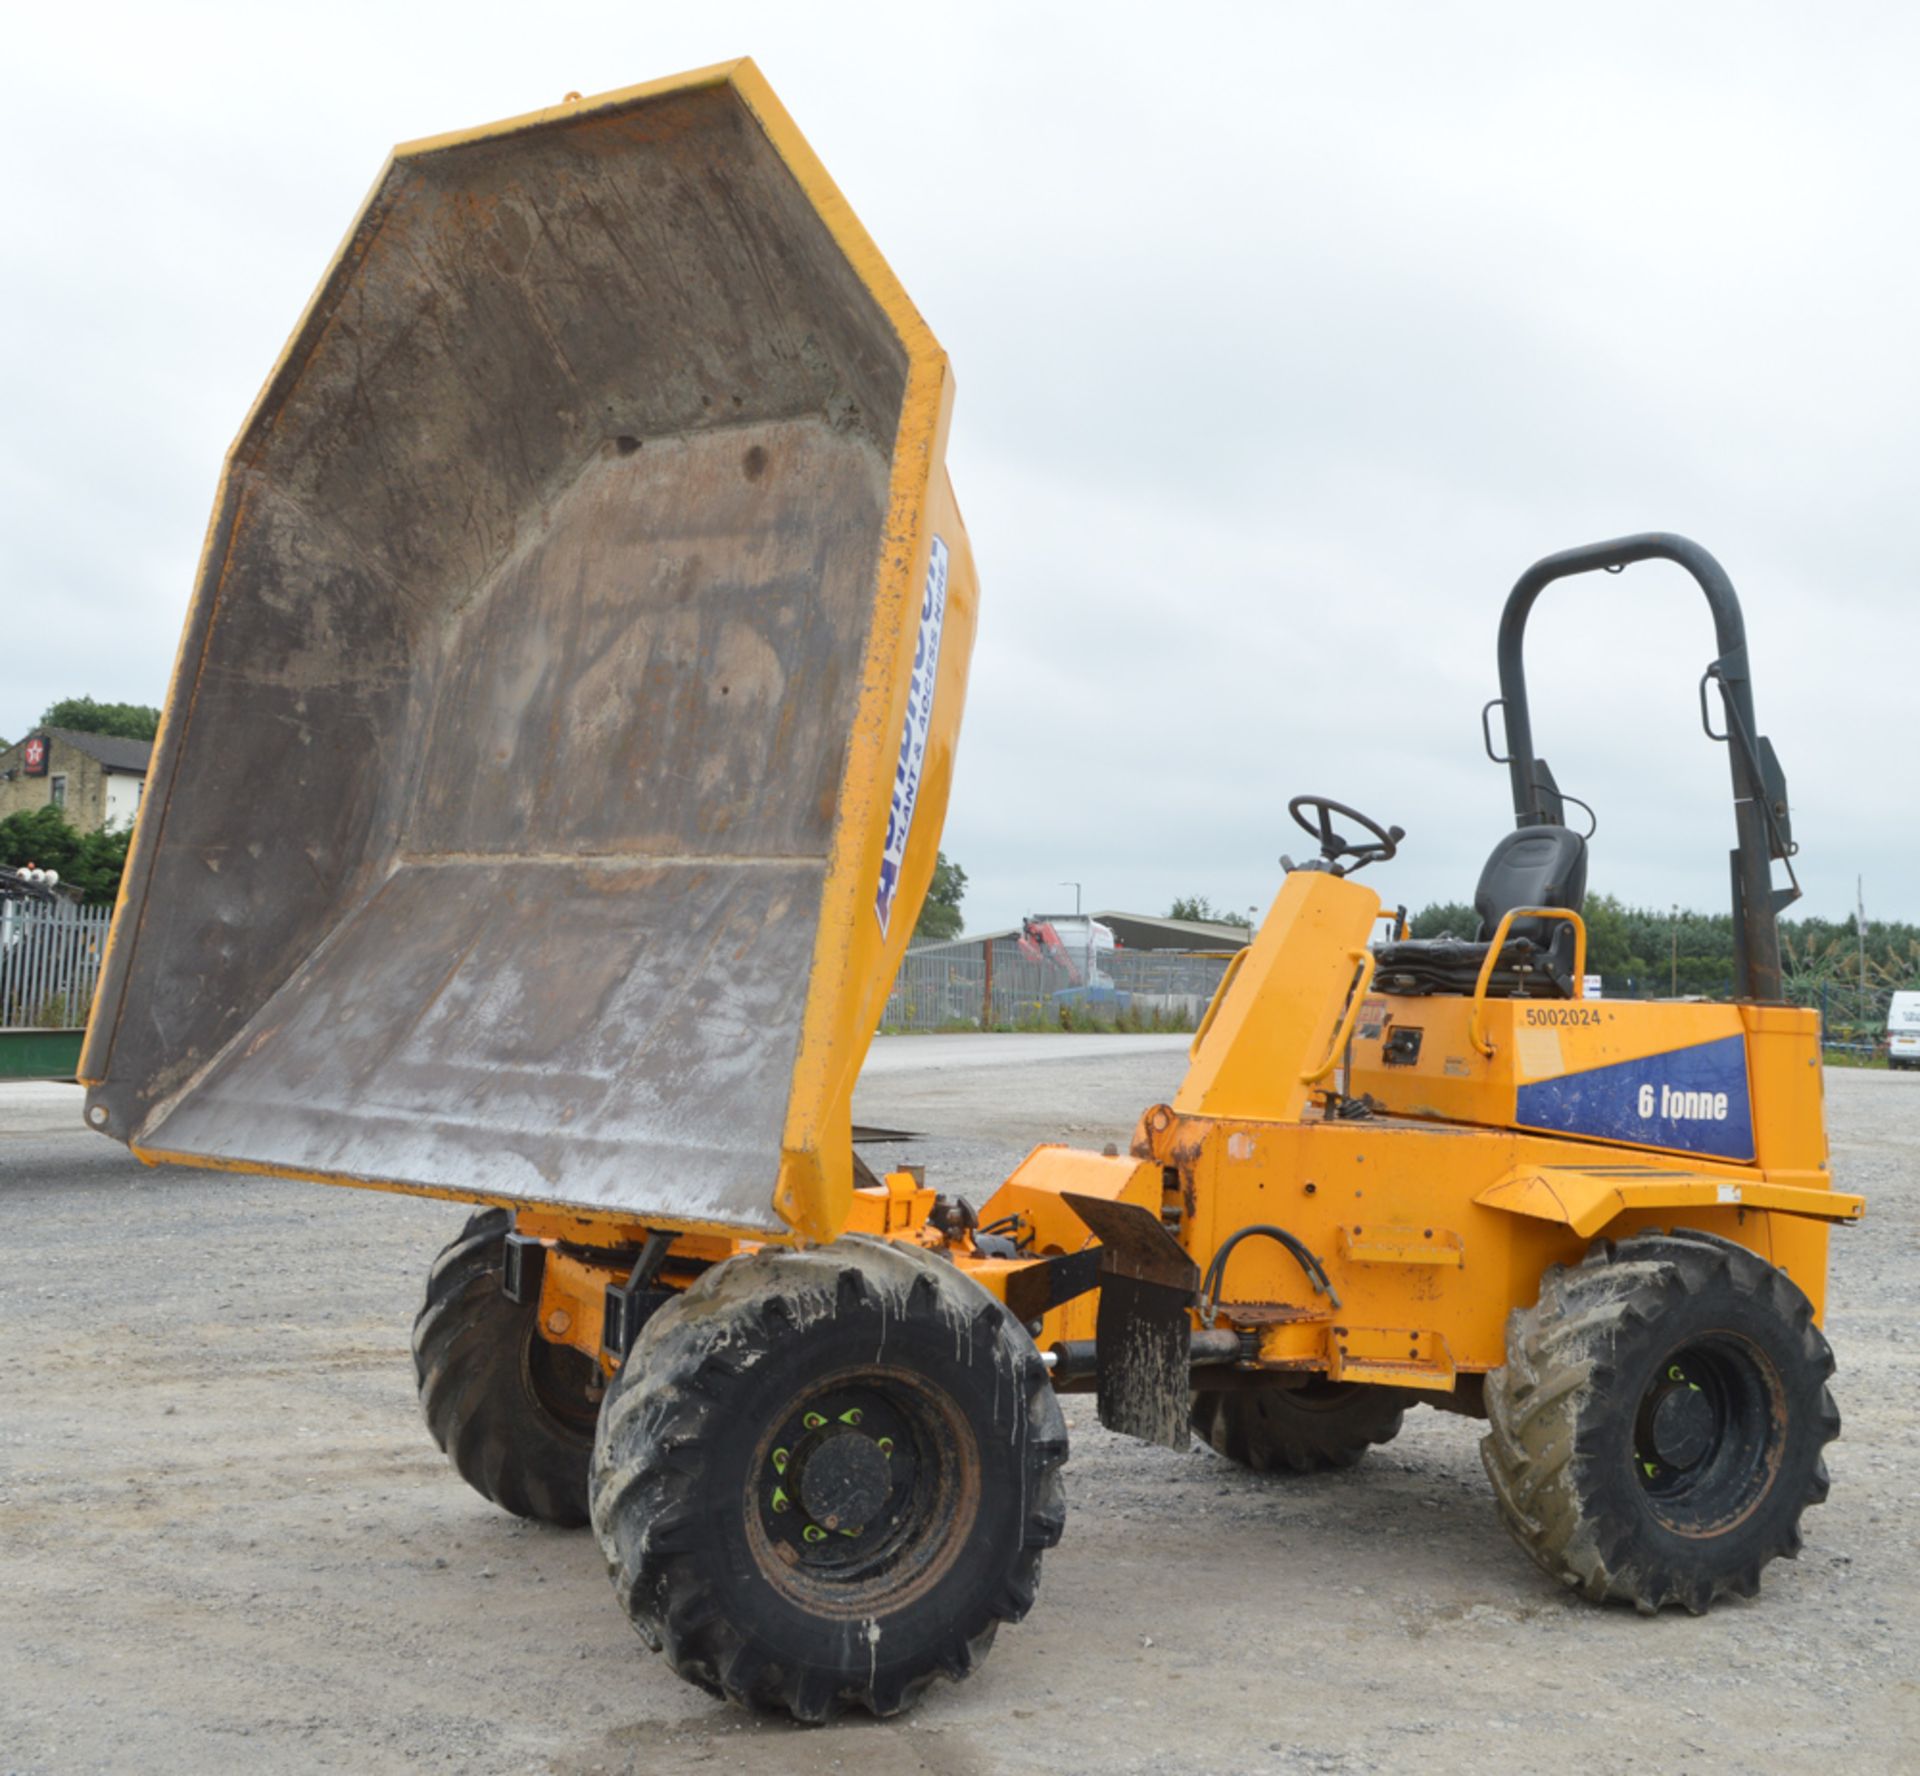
{"points": [[1692, 1100]]}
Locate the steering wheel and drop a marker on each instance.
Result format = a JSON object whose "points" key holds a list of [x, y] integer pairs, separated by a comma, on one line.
{"points": [[1333, 845]]}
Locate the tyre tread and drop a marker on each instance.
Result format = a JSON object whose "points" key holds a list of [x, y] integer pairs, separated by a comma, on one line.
{"points": [[1263, 1430], [466, 1354]]}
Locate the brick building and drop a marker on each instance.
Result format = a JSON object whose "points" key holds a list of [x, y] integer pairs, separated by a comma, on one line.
{"points": [[96, 778]]}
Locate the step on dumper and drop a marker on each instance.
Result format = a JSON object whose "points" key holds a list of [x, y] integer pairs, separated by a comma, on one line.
{"points": [[559, 743]]}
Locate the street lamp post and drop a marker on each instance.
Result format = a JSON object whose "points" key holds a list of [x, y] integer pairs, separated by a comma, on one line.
{"points": [[1860, 925], [1673, 974], [1086, 972]]}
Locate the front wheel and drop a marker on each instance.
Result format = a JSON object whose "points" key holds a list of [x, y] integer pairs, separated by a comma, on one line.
{"points": [[825, 1477], [1659, 1425]]}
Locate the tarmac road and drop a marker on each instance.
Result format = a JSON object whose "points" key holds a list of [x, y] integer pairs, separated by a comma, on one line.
{"points": [[227, 1543]]}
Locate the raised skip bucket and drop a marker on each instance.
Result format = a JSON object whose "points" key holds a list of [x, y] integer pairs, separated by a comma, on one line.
{"points": [[556, 757]]}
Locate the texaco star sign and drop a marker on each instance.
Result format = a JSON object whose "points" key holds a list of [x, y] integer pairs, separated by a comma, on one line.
{"points": [[36, 756]]}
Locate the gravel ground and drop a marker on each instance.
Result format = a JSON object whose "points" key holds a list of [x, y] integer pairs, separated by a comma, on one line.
{"points": [[228, 1543]]}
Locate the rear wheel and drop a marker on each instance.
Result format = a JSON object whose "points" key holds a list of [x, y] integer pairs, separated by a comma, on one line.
{"points": [[1323, 1424], [514, 1413], [1658, 1427], [826, 1477]]}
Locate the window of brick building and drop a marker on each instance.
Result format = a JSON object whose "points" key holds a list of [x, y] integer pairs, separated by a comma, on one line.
{"points": [[59, 791]]}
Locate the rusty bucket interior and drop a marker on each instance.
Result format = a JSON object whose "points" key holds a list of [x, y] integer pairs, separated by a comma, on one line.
{"points": [[521, 694]]}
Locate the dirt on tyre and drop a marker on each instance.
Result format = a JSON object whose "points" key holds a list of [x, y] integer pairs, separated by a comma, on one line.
{"points": [[1659, 1425], [514, 1413], [1303, 1430], [826, 1477]]}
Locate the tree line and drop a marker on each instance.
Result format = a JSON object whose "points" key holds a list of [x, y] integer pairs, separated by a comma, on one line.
{"points": [[90, 862], [1647, 950], [87, 715]]}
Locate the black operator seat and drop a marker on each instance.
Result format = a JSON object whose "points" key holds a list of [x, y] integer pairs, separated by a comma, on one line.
{"points": [[1543, 866]]}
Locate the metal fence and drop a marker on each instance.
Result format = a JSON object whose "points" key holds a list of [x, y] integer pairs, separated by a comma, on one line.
{"points": [[1853, 1018], [49, 962], [982, 986], [977, 986]]}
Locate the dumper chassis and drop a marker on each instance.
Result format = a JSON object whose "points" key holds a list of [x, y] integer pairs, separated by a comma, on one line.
{"points": [[597, 716], [1657, 1404]]}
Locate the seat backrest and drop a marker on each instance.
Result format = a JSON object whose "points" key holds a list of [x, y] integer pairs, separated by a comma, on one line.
{"points": [[1542, 866]]}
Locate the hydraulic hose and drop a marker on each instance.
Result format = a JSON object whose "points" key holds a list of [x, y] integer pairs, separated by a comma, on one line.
{"points": [[1216, 1275]]}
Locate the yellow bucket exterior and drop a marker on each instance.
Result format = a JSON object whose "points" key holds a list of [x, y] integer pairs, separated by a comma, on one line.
{"points": [[561, 735]]}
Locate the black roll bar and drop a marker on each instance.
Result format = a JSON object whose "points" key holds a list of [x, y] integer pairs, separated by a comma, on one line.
{"points": [[1761, 822]]}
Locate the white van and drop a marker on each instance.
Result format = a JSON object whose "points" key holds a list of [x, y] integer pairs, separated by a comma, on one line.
{"points": [[1903, 1030]]}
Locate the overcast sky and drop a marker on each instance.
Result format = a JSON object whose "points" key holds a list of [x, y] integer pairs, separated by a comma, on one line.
{"points": [[1286, 337]]}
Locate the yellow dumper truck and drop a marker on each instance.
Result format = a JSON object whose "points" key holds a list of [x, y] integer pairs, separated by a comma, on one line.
{"points": [[553, 771]]}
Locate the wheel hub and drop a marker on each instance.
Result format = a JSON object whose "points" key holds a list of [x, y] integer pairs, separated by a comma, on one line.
{"points": [[1706, 1439], [1682, 1426], [838, 1477], [845, 1481]]}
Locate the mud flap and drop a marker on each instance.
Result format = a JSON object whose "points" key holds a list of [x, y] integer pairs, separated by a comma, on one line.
{"points": [[1142, 1334]]}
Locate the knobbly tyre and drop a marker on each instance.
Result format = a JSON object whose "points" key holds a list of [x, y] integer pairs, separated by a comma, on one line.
{"points": [[553, 771]]}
